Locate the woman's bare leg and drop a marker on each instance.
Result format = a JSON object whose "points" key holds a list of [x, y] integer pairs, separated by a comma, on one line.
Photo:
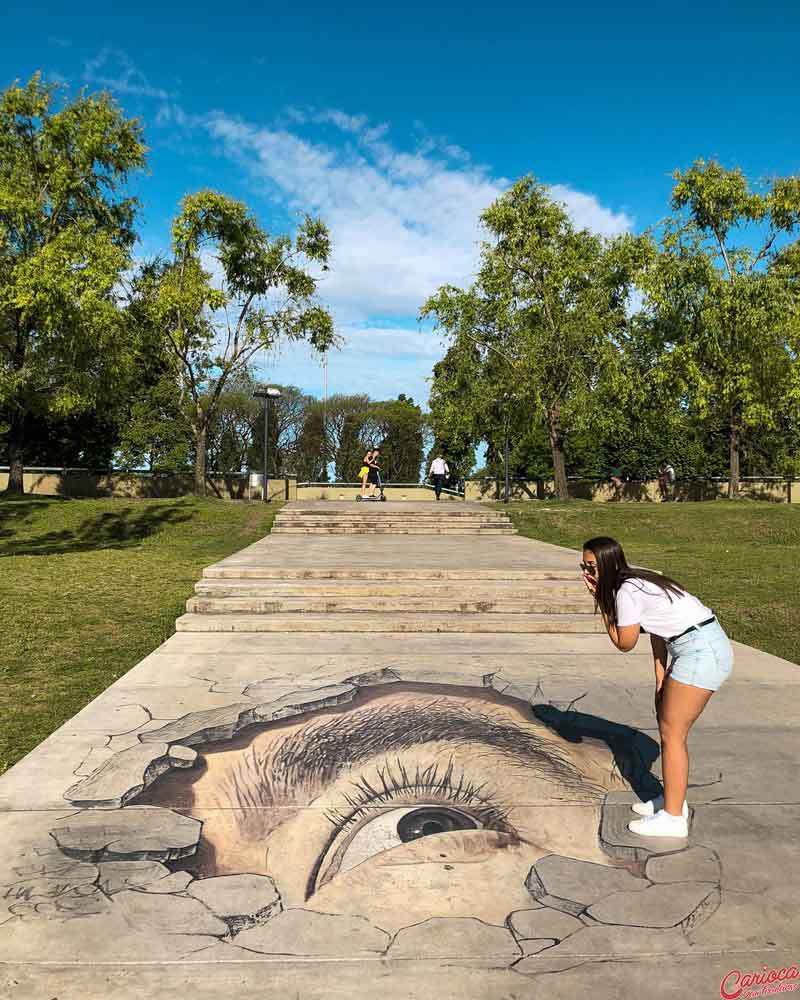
{"points": [[680, 705]]}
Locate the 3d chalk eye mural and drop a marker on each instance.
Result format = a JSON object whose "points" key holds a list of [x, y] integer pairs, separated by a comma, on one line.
{"points": [[384, 805]]}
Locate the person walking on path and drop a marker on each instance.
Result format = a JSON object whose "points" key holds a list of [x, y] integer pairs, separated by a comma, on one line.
{"points": [[439, 473], [666, 481], [682, 630]]}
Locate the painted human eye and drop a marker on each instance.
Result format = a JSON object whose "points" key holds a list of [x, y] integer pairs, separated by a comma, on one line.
{"points": [[429, 803], [375, 834]]}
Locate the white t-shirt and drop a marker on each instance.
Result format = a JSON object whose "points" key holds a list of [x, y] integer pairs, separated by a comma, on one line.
{"points": [[642, 603], [439, 467]]}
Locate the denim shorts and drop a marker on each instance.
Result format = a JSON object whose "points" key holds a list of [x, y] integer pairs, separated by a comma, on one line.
{"points": [[703, 658]]}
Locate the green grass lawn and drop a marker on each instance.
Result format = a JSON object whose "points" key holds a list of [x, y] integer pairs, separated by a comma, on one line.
{"points": [[89, 587], [742, 559]]}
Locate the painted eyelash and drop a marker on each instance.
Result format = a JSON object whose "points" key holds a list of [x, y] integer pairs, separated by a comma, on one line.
{"points": [[429, 781]]}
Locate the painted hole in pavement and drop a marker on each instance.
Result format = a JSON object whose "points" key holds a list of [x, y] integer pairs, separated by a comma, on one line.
{"points": [[344, 804]]}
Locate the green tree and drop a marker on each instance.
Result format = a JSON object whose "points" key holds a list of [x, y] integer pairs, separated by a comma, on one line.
{"points": [[66, 230], [399, 427], [723, 309], [545, 313], [157, 435], [349, 431], [265, 294], [235, 426], [155, 432], [287, 420], [311, 453], [452, 411], [86, 439]]}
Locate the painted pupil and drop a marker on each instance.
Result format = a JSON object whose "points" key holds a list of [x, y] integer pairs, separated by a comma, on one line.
{"points": [[430, 821]]}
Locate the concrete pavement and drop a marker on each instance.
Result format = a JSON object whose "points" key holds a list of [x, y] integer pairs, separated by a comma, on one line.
{"points": [[413, 797]]}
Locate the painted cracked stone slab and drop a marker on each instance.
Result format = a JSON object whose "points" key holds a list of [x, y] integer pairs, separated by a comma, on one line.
{"points": [[431, 816]]}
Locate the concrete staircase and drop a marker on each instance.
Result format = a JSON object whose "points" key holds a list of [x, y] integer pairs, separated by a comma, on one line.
{"points": [[264, 600], [376, 518], [483, 583]]}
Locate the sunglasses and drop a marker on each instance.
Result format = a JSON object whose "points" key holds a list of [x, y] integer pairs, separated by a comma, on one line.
{"points": [[590, 568]]}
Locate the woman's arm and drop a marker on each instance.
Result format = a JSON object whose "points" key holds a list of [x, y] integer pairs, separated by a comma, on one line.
{"points": [[624, 637], [660, 657]]}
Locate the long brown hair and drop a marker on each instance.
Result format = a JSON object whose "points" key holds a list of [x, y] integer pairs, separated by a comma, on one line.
{"points": [[613, 570]]}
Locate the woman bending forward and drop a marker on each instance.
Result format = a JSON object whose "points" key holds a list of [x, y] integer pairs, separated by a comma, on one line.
{"points": [[682, 630]]}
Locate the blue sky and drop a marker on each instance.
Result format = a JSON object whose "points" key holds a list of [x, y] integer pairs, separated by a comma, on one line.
{"points": [[399, 123]]}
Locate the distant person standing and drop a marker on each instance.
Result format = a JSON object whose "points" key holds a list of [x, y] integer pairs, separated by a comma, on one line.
{"points": [[363, 474], [374, 471], [666, 481], [439, 473]]}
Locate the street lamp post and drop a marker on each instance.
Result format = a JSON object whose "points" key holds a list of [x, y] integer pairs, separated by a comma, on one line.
{"points": [[505, 497], [266, 394], [505, 448]]}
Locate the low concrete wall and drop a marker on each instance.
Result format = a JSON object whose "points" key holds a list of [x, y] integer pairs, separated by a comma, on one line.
{"points": [[83, 483], [397, 493], [77, 483], [775, 490]]}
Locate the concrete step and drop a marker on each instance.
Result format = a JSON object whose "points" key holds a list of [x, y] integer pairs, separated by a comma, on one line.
{"points": [[380, 510], [378, 524], [381, 530], [372, 604], [264, 571], [376, 508], [390, 519], [396, 623], [456, 589]]}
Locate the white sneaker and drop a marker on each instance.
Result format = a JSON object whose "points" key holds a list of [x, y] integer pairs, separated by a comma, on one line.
{"points": [[661, 824], [652, 806]]}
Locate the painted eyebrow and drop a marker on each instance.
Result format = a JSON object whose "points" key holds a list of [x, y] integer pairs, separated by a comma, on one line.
{"points": [[303, 764]]}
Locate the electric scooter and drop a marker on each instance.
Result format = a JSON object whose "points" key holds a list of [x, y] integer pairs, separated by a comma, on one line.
{"points": [[376, 497]]}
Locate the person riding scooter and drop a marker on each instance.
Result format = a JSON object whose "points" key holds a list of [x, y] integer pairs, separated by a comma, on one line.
{"points": [[373, 471], [363, 473], [372, 461]]}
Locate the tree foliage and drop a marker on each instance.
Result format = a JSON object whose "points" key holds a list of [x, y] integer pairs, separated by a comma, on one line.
{"points": [[723, 302], [66, 231], [215, 324], [543, 318]]}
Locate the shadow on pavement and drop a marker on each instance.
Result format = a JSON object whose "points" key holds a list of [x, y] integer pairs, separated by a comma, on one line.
{"points": [[634, 751]]}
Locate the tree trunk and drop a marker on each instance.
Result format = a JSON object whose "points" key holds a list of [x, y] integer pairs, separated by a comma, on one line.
{"points": [[556, 435], [734, 446], [16, 453], [200, 460]]}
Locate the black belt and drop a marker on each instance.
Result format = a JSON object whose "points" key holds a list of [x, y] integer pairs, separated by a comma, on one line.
{"points": [[693, 628]]}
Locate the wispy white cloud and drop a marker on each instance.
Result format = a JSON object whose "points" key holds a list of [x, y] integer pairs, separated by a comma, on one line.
{"points": [[586, 211], [115, 70], [403, 222], [170, 113], [381, 362]]}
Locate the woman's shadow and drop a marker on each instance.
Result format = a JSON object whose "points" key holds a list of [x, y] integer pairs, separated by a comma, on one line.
{"points": [[634, 752]]}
